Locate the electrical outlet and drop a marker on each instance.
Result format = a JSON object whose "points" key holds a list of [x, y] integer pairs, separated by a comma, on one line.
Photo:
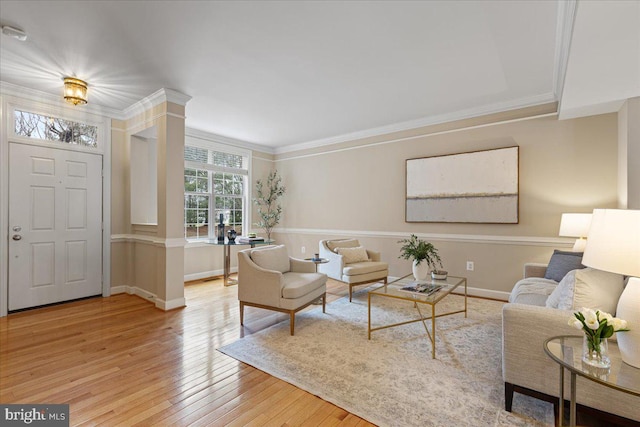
{"points": [[470, 266], [303, 249]]}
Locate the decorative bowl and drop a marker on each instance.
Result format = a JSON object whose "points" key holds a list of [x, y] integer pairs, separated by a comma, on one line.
{"points": [[439, 274]]}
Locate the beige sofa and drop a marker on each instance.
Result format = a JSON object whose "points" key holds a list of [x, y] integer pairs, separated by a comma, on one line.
{"points": [[526, 324]]}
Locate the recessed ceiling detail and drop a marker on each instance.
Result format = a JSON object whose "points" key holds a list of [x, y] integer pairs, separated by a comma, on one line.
{"points": [[279, 74]]}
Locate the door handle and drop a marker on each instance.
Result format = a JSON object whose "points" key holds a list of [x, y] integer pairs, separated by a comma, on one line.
{"points": [[17, 237]]}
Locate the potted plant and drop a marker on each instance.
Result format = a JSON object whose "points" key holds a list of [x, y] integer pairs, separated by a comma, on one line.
{"points": [[267, 194], [425, 257]]}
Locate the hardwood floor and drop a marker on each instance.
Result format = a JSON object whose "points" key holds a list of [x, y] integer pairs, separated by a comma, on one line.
{"points": [[121, 361]]}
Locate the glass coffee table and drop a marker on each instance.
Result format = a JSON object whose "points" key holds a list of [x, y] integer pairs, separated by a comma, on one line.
{"points": [[394, 290]]}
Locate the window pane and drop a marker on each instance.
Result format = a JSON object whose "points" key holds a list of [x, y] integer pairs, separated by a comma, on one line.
{"points": [[190, 201], [51, 128], [195, 154], [189, 183], [202, 185], [227, 160], [225, 190], [203, 201]]}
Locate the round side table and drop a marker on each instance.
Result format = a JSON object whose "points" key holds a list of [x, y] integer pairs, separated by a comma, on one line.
{"points": [[317, 261], [566, 350]]}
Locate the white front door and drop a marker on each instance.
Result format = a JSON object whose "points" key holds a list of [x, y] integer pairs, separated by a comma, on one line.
{"points": [[55, 225]]}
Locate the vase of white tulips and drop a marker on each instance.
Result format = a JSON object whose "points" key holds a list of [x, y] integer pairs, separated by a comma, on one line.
{"points": [[598, 326]]}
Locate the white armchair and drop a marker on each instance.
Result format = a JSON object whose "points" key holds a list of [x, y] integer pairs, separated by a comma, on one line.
{"points": [[351, 263], [268, 278]]}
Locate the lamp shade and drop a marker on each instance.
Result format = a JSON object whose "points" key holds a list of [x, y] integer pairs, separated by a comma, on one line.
{"points": [[614, 245], [575, 224], [613, 242]]}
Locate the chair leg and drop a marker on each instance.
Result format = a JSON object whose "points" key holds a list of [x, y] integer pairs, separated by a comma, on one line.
{"points": [[324, 302], [241, 313], [350, 291], [292, 316]]}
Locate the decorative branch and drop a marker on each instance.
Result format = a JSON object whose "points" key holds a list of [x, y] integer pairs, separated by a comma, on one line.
{"points": [[267, 194]]}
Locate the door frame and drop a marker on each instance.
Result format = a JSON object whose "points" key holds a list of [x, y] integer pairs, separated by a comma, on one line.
{"points": [[42, 104]]}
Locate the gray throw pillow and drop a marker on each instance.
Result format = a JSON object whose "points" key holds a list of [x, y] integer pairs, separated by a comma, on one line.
{"points": [[561, 263]]}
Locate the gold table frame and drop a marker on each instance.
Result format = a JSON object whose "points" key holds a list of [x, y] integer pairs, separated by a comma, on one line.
{"points": [[392, 290]]}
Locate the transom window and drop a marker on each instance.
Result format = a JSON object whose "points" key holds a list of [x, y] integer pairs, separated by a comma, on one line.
{"points": [[49, 128], [215, 183]]}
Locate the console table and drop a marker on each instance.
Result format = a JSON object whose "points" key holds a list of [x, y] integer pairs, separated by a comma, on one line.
{"points": [[567, 352], [227, 254]]}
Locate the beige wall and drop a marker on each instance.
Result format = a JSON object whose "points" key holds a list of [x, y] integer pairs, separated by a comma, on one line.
{"points": [[565, 166]]}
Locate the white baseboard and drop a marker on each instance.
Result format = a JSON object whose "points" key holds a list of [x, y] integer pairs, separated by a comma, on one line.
{"points": [[207, 274], [486, 293], [161, 304], [118, 289], [171, 304]]}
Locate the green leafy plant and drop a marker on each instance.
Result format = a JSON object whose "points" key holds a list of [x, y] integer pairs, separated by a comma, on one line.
{"points": [[420, 250], [267, 195]]}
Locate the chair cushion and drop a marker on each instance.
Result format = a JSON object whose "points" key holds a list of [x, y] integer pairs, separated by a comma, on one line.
{"points": [[344, 243], [364, 268], [532, 291], [273, 258], [591, 288], [561, 263], [351, 255], [296, 285]]}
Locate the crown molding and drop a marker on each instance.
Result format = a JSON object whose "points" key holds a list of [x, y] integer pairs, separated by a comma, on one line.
{"points": [[11, 89], [155, 99], [564, 32], [197, 133], [425, 121]]}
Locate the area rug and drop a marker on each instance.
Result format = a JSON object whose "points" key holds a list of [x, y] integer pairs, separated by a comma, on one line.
{"points": [[391, 380]]}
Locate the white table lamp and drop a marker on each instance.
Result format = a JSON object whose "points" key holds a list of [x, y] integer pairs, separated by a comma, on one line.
{"points": [[576, 225], [613, 244]]}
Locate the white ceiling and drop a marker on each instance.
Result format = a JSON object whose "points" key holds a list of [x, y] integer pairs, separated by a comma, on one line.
{"points": [[282, 73]]}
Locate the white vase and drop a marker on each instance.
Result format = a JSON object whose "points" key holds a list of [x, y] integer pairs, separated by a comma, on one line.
{"points": [[629, 310], [421, 271]]}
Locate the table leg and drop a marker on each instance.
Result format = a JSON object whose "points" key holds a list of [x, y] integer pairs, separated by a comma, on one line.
{"points": [[572, 407], [369, 324], [433, 331], [465, 298], [227, 265], [561, 397]]}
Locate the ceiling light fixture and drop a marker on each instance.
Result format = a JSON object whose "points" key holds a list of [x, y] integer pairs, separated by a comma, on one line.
{"points": [[14, 32], [75, 91]]}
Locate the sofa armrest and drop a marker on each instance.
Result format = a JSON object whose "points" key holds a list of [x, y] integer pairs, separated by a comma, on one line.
{"points": [[534, 269], [525, 328], [373, 255], [301, 265], [335, 265]]}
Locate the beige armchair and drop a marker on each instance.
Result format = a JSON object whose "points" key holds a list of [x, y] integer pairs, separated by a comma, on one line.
{"points": [[268, 278], [351, 263]]}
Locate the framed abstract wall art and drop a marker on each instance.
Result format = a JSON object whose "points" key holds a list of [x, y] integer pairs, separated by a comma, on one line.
{"points": [[474, 187]]}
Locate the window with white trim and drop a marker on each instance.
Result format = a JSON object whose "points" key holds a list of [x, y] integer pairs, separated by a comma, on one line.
{"points": [[215, 182], [50, 128]]}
